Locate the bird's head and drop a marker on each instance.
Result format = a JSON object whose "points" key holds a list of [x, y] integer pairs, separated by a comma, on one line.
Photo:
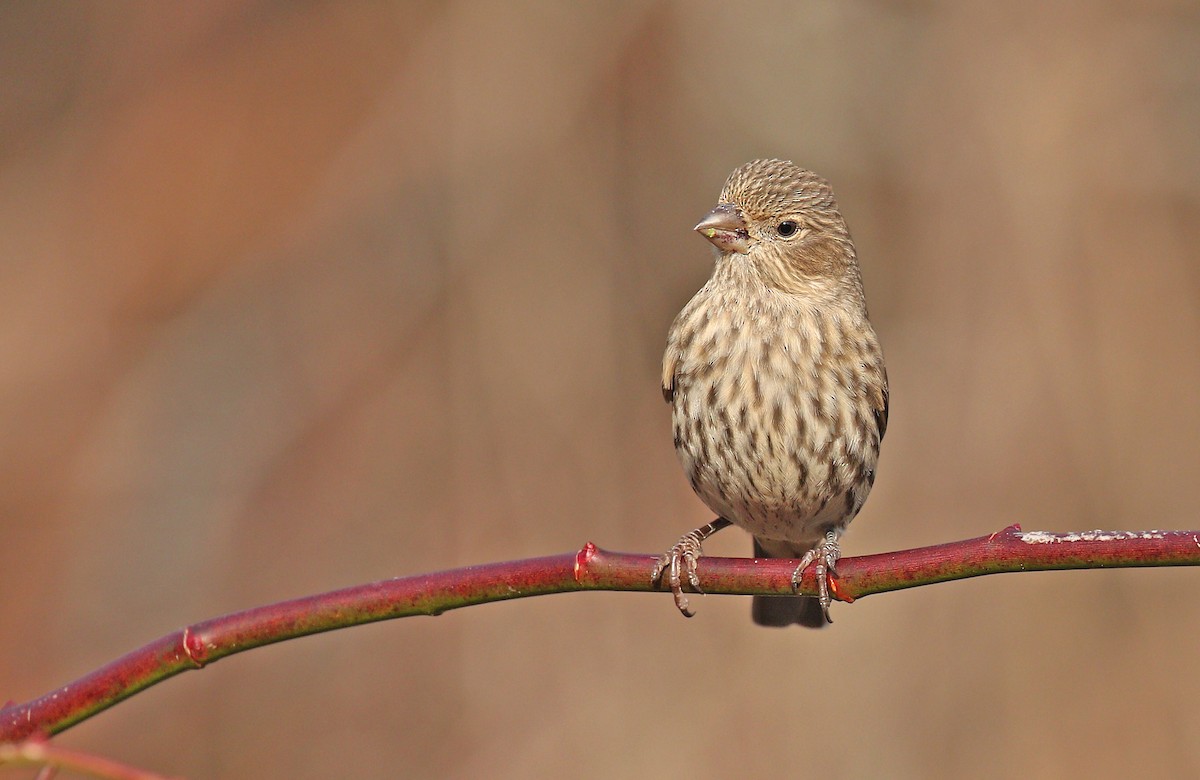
{"points": [[783, 222]]}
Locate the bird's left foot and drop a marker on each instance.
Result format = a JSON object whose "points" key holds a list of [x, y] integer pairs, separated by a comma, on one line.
{"points": [[825, 555], [680, 561]]}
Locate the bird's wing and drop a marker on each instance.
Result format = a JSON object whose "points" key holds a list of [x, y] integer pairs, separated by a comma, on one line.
{"points": [[881, 407], [670, 360]]}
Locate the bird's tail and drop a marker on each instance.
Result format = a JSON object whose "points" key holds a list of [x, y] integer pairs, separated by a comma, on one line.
{"points": [[782, 611]]}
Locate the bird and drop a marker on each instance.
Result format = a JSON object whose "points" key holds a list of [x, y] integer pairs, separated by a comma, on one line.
{"points": [[777, 384]]}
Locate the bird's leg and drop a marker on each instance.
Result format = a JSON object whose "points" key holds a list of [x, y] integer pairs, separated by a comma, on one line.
{"points": [[825, 555], [681, 560]]}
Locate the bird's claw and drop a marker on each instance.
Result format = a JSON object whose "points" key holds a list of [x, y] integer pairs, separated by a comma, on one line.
{"points": [[678, 562], [825, 556]]}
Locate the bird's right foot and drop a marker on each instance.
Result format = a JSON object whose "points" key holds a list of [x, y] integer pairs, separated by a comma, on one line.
{"points": [[825, 555]]}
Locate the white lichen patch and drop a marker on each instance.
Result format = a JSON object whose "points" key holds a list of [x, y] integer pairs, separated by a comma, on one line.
{"points": [[1045, 537]]}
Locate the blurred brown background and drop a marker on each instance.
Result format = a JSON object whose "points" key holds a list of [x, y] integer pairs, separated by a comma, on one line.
{"points": [[296, 296]]}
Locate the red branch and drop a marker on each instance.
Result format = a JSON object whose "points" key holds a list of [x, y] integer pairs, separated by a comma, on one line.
{"points": [[590, 568], [38, 752]]}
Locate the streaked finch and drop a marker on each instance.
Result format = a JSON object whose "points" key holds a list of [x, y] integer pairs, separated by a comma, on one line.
{"points": [[776, 382]]}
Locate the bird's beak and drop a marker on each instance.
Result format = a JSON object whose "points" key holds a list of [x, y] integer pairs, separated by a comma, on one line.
{"points": [[725, 227]]}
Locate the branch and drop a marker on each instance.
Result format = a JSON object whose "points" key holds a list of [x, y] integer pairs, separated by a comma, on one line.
{"points": [[37, 752], [590, 568]]}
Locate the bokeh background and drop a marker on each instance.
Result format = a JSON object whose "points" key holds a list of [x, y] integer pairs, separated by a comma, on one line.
{"points": [[300, 295]]}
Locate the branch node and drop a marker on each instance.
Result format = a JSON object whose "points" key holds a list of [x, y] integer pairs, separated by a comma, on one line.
{"points": [[1009, 530], [193, 648], [582, 559]]}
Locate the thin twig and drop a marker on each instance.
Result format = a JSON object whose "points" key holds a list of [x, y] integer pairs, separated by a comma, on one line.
{"points": [[590, 568], [51, 757]]}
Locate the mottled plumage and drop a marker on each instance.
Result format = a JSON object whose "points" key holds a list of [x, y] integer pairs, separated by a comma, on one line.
{"points": [[776, 380]]}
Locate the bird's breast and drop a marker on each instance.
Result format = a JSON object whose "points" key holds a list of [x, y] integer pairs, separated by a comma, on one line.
{"points": [[769, 410]]}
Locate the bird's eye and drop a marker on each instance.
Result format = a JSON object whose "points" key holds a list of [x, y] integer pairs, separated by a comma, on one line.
{"points": [[787, 228]]}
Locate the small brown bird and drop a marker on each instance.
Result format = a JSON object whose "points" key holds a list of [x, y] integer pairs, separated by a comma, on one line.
{"points": [[776, 382]]}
